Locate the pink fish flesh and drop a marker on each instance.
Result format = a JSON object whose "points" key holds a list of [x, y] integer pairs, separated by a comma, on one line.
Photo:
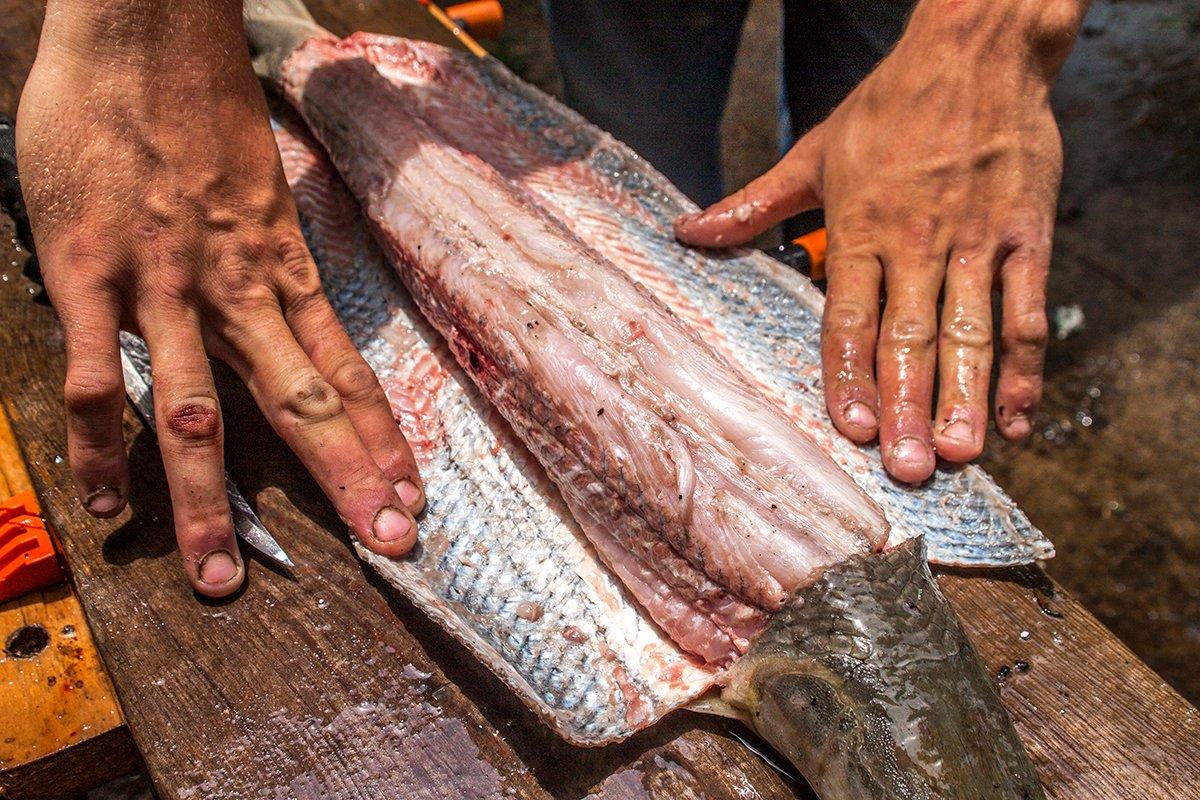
{"points": [[699, 493]]}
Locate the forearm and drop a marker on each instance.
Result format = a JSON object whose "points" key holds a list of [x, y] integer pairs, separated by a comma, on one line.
{"points": [[200, 39]]}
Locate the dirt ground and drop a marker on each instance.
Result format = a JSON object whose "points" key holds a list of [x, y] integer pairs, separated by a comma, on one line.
{"points": [[1111, 475]]}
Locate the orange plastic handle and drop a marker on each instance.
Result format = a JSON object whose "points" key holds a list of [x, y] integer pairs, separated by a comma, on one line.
{"points": [[479, 17], [815, 244], [27, 558]]}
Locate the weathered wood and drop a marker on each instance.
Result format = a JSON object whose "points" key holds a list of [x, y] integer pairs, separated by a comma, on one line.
{"points": [[61, 730], [1098, 722], [392, 17], [329, 684]]}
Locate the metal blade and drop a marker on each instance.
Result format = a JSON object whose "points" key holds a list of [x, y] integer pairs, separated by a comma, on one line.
{"points": [[135, 364]]}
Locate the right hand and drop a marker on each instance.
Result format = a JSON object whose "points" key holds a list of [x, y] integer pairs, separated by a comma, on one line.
{"points": [[159, 205]]}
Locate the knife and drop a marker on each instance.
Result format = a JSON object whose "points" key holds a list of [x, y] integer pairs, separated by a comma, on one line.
{"points": [[135, 364]]}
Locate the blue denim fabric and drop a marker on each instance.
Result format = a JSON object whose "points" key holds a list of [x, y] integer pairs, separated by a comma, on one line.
{"points": [[655, 73]]}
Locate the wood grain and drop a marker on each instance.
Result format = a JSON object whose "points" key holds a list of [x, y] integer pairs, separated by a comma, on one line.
{"points": [[326, 684], [62, 730]]}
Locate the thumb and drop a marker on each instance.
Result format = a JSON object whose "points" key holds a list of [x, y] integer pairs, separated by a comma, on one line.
{"points": [[791, 186]]}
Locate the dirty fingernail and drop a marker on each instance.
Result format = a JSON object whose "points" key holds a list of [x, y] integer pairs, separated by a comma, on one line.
{"points": [[103, 501], [410, 495], [861, 415], [218, 567], [959, 430], [910, 450], [1019, 426], [391, 524]]}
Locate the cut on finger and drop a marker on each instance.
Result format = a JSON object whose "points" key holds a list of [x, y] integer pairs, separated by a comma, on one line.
{"points": [[190, 438], [1023, 335]]}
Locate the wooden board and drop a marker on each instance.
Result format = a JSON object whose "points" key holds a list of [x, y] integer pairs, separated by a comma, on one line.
{"points": [[329, 685], [61, 730]]}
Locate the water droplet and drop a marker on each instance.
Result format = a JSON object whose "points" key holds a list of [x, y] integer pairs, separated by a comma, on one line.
{"points": [[58, 459], [322, 602], [1025, 636]]}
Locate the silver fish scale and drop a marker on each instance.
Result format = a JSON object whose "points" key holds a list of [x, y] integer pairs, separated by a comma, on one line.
{"points": [[770, 317], [495, 534]]}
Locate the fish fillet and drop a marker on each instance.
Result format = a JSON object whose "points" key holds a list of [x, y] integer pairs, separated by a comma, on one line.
{"points": [[699, 493], [502, 564]]}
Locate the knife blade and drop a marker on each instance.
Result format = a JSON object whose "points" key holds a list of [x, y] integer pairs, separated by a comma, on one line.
{"points": [[135, 365]]}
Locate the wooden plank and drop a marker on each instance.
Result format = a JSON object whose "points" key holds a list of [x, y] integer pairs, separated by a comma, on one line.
{"points": [[322, 682], [310, 684], [392, 17], [1098, 722], [329, 683], [63, 731]]}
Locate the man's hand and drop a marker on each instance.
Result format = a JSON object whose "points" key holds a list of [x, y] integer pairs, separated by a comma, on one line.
{"points": [[939, 176], [159, 205]]}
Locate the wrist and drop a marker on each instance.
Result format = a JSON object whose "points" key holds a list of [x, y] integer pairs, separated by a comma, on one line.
{"points": [[1032, 37]]}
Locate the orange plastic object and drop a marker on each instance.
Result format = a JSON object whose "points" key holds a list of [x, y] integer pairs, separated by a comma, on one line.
{"points": [[816, 243], [27, 559], [480, 17]]}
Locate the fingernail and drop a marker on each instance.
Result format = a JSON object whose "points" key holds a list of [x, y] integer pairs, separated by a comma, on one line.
{"points": [[861, 415], [391, 524], [960, 431], [910, 450], [1019, 425], [410, 495], [218, 567], [103, 501]]}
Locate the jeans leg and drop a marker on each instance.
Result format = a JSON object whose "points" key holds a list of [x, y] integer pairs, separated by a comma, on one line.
{"points": [[829, 46], [654, 73]]}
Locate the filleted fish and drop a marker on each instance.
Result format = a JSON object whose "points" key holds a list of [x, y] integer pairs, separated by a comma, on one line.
{"points": [[461, 167]]}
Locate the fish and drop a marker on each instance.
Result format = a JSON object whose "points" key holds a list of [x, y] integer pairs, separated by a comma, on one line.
{"points": [[708, 503], [590, 662], [868, 684]]}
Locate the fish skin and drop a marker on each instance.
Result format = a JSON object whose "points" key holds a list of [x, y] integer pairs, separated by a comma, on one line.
{"points": [[704, 498], [495, 534], [867, 682], [761, 315], [973, 521]]}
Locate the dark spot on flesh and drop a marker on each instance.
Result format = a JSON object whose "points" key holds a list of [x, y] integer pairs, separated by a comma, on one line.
{"points": [[599, 412], [473, 360]]}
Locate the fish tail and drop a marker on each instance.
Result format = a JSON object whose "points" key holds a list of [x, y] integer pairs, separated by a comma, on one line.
{"points": [[274, 29]]}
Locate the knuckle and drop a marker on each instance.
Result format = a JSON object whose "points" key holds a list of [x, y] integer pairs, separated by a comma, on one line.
{"points": [[1027, 331], [86, 393], [964, 330], [298, 269], [354, 380], [848, 320], [196, 420], [908, 332], [310, 400]]}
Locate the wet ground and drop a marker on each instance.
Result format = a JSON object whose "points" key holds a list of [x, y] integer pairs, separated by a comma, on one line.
{"points": [[1111, 476]]}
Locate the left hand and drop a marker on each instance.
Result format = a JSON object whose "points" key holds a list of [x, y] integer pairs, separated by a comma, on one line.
{"points": [[939, 176]]}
